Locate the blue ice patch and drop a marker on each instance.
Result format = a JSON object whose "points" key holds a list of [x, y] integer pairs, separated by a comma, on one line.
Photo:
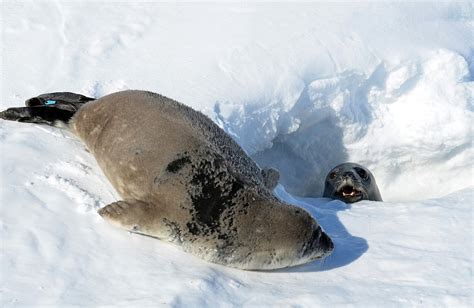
{"points": [[49, 102]]}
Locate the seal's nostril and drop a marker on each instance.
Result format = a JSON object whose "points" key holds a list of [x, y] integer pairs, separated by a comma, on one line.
{"points": [[348, 174], [326, 242], [319, 244]]}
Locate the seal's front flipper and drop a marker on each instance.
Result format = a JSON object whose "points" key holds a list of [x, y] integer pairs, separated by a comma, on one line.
{"points": [[270, 178], [40, 114], [135, 216]]}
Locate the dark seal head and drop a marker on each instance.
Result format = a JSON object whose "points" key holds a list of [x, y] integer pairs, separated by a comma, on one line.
{"points": [[350, 182]]}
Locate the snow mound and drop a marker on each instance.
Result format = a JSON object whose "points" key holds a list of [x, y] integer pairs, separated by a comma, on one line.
{"points": [[410, 124]]}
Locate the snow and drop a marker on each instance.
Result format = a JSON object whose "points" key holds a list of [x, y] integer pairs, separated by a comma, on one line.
{"points": [[302, 87]]}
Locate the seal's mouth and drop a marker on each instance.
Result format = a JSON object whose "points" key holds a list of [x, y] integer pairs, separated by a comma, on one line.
{"points": [[349, 193]]}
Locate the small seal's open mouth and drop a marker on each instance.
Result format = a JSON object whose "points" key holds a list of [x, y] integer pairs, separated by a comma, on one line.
{"points": [[349, 192]]}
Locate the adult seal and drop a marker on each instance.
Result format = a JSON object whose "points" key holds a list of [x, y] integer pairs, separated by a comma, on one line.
{"points": [[350, 182], [184, 180]]}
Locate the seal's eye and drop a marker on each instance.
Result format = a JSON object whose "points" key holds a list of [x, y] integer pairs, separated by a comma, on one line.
{"points": [[362, 173], [332, 175]]}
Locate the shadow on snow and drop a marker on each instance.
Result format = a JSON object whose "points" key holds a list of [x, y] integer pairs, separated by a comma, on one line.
{"points": [[347, 248]]}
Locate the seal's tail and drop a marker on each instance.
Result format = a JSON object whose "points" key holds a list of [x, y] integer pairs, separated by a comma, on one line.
{"points": [[49, 108]]}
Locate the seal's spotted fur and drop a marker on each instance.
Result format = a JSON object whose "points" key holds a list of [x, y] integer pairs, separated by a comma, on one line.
{"points": [[183, 179]]}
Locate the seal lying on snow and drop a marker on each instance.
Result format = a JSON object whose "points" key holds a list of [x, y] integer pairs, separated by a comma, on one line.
{"points": [[351, 183], [184, 180]]}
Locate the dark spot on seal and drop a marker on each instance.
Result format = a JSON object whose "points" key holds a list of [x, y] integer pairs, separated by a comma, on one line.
{"points": [[223, 236], [175, 231], [177, 164], [213, 200], [193, 228], [244, 210], [215, 192]]}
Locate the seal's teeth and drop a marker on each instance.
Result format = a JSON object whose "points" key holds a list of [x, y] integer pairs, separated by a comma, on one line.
{"points": [[348, 195]]}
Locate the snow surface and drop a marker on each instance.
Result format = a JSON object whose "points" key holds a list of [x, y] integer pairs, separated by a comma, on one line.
{"points": [[302, 87]]}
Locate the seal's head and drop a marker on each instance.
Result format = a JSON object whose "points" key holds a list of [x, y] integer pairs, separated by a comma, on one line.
{"points": [[350, 182], [275, 235]]}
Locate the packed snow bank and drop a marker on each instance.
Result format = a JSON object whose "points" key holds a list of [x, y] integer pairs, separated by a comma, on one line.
{"points": [[301, 87], [410, 124]]}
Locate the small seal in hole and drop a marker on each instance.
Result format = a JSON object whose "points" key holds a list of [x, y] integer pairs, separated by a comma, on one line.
{"points": [[350, 182]]}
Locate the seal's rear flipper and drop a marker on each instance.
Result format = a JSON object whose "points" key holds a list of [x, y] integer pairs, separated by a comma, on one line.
{"points": [[49, 108], [135, 216], [40, 114], [62, 99]]}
